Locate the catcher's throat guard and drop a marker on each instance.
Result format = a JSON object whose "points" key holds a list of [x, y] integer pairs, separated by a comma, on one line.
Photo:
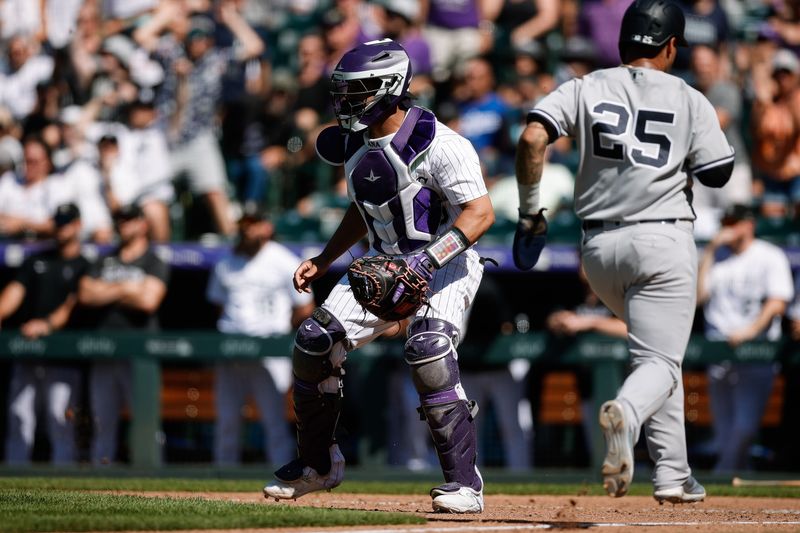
{"points": [[387, 287]]}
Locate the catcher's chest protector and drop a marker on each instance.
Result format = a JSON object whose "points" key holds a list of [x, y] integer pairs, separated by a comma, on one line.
{"points": [[402, 214]]}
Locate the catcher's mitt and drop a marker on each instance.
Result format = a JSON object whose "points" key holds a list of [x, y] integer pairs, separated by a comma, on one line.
{"points": [[387, 287]]}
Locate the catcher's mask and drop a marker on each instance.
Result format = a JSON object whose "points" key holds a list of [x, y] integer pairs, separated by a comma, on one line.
{"points": [[369, 82]]}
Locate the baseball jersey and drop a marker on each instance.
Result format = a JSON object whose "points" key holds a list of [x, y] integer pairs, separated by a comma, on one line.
{"points": [[409, 185], [641, 134], [256, 293], [738, 286]]}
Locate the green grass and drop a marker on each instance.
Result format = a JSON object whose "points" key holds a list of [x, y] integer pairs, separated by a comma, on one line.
{"points": [[421, 487], [44, 503], [62, 510]]}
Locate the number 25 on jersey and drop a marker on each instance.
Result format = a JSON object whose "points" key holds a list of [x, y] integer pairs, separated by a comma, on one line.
{"points": [[610, 135]]}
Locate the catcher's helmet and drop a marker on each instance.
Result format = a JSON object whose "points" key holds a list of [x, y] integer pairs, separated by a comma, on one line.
{"points": [[652, 23], [368, 82]]}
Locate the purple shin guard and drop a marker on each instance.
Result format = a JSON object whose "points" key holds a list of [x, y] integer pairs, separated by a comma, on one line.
{"points": [[453, 430], [317, 414], [430, 351]]}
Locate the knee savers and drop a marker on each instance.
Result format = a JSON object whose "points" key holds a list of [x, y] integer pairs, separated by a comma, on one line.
{"points": [[430, 350], [313, 343]]}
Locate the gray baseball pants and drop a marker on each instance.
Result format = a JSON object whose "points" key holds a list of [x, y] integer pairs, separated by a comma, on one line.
{"points": [[646, 273]]}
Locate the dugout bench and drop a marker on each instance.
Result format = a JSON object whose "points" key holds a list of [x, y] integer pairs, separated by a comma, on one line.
{"points": [[608, 359]]}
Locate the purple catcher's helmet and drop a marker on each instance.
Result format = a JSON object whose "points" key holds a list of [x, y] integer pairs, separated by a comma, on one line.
{"points": [[369, 82]]}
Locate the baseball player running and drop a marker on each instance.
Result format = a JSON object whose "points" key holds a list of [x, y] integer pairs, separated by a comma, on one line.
{"points": [[417, 190], [643, 136]]}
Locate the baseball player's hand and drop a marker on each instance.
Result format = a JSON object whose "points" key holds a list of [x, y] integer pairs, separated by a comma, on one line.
{"points": [[740, 337], [421, 264], [529, 239], [568, 323], [308, 271], [33, 329]]}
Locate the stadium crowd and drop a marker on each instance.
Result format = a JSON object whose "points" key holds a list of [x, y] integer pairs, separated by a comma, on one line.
{"points": [[170, 120]]}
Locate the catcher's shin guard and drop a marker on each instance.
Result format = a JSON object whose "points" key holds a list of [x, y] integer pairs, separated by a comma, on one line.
{"points": [[430, 350], [316, 403]]}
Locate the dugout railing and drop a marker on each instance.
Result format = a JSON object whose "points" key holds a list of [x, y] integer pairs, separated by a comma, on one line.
{"points": [[607, 357]]}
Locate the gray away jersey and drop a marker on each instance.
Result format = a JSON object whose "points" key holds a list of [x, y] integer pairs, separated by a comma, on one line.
{"points": [[641, 133]]}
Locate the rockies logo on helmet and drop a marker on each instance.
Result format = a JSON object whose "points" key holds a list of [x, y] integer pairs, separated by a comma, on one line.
{"points": [[369, 82]]}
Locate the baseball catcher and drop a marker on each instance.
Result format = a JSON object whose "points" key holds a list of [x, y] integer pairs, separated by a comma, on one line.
{"points": [[417, 191]]}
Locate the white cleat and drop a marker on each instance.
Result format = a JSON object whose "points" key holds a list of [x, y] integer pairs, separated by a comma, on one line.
{"points": [[454, 498], [689, 492], [299, 480], [618, 465]]}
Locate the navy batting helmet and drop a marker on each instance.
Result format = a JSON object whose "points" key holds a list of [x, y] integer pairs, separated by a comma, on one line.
{"points": [[368, 82], [652, 23]]}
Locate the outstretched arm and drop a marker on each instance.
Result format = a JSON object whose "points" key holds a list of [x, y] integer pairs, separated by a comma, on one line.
{"points": [[351, 230], [529, 165], [252, 45], [530, 235]]}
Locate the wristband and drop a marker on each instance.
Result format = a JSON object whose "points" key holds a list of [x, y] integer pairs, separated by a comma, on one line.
{"points": [[446, 247], [528, 198]]}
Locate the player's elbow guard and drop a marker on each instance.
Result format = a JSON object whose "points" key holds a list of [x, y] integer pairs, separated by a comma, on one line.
{"points": [[716, 176]]}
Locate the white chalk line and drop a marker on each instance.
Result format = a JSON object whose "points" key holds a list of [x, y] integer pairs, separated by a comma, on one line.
{"points": [[530, 527]]}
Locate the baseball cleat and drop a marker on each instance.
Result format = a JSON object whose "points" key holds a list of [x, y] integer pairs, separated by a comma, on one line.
{"points": [[618, 464], [295, 479], [458, 499], [690, 492]]}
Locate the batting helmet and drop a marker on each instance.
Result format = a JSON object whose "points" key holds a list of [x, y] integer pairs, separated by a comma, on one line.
{"points": [[369, 82], [652, 23]]}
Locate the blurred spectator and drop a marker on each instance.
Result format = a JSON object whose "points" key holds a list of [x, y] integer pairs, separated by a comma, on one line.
{"points": [[24, 71], [578, 58], [726, 97], [341, 32], [484, 116], [530, 59], [600, 21], [43, 295], [191, 91], [745, 285], [27, 199], [312, 80], [491, 383], [784, 22], [399, 21], [457, 31], [706, 24], [589, 316], [10, 147], [255, 296], [135, 167], [20, 17], [518, 22], [776, 132], [61, 18], [125, 289], [119, 15], [77, 180]]}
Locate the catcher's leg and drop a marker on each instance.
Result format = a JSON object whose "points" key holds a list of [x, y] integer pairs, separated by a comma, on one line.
{"points": [[317, 403], [430, 350]]}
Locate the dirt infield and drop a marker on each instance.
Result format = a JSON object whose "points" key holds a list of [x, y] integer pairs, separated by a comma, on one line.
{"points": [[526, 513]]}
